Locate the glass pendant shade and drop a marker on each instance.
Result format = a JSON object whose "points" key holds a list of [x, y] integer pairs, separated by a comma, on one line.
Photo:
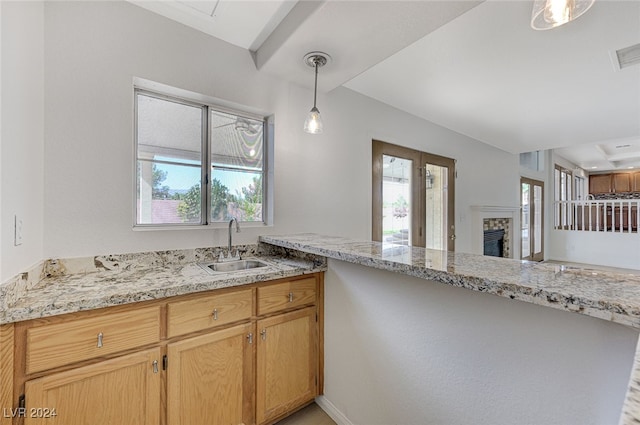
{"points": [[549, 14], [313, 123]]}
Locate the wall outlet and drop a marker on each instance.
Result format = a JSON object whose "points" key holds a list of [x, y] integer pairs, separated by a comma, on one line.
{"points": [[17, 230]]}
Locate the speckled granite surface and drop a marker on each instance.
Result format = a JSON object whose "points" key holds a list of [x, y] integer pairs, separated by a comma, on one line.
{"points": [[69, 285], [606, 295]]}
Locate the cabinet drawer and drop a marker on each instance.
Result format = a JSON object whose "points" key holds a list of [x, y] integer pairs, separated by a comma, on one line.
{"points": [[286, 295], [58, 344], [207, 312]]}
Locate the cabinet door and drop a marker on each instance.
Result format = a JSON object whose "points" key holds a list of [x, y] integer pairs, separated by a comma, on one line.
{"points": [[210, 378], [123, 391], [287, 363], [622, 182], [636, 182], [600, 183]]}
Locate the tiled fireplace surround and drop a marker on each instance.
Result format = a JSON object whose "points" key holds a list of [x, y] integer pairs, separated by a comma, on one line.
{"points": [[500, 224], [492, 218]]}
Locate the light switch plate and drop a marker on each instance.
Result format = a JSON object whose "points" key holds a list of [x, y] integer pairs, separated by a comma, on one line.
{"points": [[17, 228]]}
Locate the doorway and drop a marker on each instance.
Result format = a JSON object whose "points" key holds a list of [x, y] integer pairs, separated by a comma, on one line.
{"points": [[413, 197], [532, 220]]}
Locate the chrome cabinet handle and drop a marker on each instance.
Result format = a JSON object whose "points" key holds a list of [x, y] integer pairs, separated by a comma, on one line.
{"points": [[215, 314], [290, 297], [263, 334], [155, 366], [100, 340], [250, 338]]}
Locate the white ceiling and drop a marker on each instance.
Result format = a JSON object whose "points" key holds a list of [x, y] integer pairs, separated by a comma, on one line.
{"points": [[474, 67]]}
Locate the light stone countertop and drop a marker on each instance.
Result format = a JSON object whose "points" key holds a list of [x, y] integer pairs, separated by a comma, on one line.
{"points": [[603, 294], [69, 285]]}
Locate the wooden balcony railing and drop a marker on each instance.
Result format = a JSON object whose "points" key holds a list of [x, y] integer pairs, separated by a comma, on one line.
{"points": [[620, 216]]}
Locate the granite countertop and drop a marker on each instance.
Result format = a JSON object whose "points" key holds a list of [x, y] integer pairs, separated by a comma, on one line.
{"points": [[605, 295], [70, 285]]}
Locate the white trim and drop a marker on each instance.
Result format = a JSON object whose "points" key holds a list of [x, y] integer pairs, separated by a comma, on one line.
{"points": [[333, 412]]}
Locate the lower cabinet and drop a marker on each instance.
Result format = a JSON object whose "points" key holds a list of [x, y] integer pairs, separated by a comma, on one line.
{"points": [[216, 358], [287, 363], [124, 390], [210, 379]]}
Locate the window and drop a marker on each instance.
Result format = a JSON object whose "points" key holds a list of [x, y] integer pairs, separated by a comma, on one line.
{"points": [[563, 182], [197, 163]]}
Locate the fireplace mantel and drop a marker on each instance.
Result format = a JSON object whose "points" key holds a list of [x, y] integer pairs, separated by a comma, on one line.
{"points": [[481, 212]]}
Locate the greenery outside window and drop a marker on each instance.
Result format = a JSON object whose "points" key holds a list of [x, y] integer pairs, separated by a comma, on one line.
{"points": [[198, 163]]}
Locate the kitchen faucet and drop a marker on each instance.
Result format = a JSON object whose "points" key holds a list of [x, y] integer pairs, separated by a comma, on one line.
{"points": [[237, 230]]}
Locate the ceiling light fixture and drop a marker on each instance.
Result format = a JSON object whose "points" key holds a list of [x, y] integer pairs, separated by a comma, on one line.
{"points": [[313, 123], [549, 14]]}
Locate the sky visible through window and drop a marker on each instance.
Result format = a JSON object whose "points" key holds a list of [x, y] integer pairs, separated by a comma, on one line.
{"points": [[180, 178]]}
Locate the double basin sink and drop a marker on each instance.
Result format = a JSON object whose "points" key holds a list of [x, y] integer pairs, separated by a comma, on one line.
{"points": [[232, 266]]}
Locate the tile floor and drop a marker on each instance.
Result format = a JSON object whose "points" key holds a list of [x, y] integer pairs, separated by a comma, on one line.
{"points": [[310, 415]]}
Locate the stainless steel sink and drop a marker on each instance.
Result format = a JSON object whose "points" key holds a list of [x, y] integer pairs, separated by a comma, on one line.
{"points": [[232, 266]]}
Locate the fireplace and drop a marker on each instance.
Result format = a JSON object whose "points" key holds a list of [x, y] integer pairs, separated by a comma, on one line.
{"points": [[494, 243], [499, 224]]}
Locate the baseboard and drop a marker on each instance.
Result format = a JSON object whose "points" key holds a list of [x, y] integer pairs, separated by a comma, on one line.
{"points": [[331, 410]]}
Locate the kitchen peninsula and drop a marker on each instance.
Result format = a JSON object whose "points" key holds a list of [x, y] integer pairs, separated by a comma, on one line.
{"points": [[510, 353]]}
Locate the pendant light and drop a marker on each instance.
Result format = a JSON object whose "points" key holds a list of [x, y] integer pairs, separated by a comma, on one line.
{"points": [[313, 123], [549, 14]]}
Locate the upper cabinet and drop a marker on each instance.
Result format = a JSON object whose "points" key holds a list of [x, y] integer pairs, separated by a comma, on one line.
{"points": [[600, 183], [622, 182], [636, 182], [614, 183]]}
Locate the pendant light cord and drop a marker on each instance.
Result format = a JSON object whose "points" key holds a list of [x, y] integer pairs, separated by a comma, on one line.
{"points": [[315, 87]]}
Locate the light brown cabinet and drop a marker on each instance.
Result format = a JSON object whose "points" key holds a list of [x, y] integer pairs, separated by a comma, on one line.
{"points": [[600, 183], [614, 183], [621, 182], [124, 390], [210, 380], [636, 182], [286, 363], [215, 357], [71, 341]]}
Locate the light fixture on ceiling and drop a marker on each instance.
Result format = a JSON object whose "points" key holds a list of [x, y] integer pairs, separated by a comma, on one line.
{"points": [[549, 14], [313, 123]]}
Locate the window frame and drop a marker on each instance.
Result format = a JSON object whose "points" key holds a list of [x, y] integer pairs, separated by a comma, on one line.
{"points": [[207, 105], [564, 218]]}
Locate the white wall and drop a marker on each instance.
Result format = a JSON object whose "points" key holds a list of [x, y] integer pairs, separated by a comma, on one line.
{"points": [[323, 182], [600, 248], [22, 134], [401, 350]]}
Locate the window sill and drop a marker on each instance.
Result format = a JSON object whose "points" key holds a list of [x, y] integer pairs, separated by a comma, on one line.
{"points": [[213, 226]]}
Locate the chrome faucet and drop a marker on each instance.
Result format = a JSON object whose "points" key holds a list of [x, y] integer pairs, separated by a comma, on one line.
{"points": [[237, 230]]}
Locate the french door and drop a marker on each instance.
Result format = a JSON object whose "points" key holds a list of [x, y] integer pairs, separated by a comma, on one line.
{"points": [[532, 220], [413, 197]]}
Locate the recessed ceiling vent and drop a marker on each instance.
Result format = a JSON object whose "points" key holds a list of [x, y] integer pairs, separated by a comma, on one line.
{"points": [[628, 56]]}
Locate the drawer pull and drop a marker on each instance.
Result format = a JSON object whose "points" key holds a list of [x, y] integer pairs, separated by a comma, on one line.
{"points": [[290, 297], [250, 338], [263, 334], [155, 366], [215, 314], [100, 340]]}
